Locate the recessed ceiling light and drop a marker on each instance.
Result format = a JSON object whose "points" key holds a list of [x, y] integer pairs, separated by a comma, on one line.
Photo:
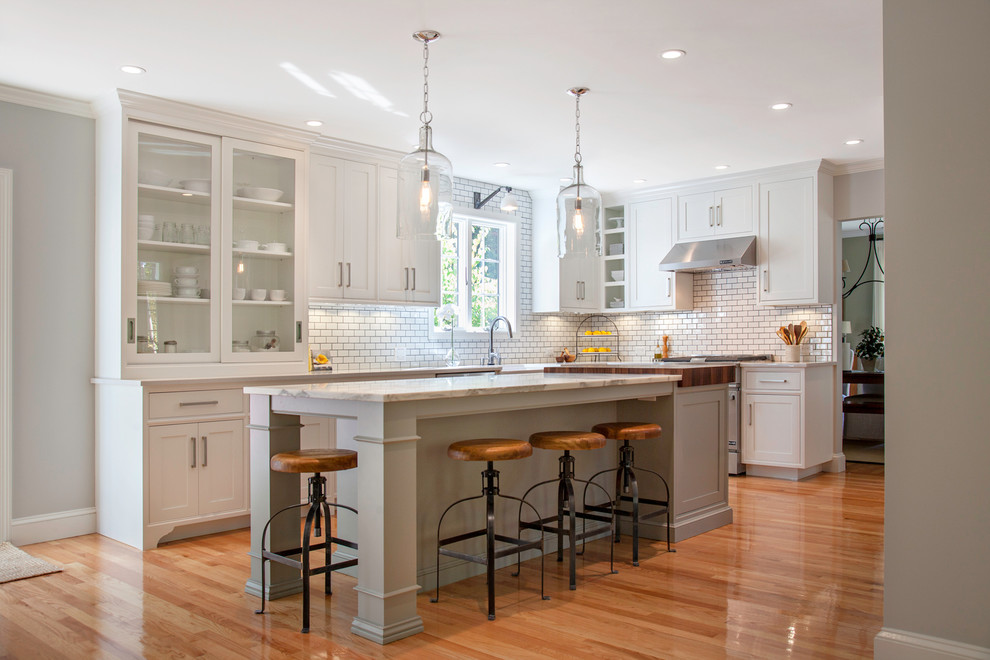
{"points": [[314, 123], [501, 164], [854, 141], [639, 180], [721, 167], [781, 106], [130, 68], [672, 54]]}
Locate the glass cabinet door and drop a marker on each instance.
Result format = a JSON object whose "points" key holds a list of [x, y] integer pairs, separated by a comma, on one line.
{"points": [[170, 235], [264, 317]]}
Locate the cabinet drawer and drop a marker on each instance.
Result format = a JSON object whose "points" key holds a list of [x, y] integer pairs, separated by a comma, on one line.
{"points": [[196, 403], [787, 380]]}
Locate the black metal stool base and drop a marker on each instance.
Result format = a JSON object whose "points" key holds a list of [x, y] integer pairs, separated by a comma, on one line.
{"points": [[626, 482], [318, 506], [566, 511], [489, 491]]}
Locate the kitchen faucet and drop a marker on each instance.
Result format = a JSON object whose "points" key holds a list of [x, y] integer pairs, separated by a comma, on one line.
{"points": [[493, 357]]}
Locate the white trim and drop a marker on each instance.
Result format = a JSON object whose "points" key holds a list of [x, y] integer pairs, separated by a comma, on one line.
{"points": [[52, 526], [861, 166], [6, 373], [893, 644], [45, 101]]}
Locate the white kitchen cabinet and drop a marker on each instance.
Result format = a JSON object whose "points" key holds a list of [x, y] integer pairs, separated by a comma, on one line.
{"points": [[409, 270], [787, 421], [580, 284], [196, 470], [796, 243], [615, 263], [715, 214], [649, 236], [343, 230]]}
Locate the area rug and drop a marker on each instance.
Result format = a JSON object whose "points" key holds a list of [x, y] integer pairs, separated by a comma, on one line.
{"points": [[863, 451], [15, 564]]}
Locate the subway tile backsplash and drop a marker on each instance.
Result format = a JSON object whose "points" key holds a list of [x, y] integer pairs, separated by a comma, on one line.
{"points": [[726, 319]]}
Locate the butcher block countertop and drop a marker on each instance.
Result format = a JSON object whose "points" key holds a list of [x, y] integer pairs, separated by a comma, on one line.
{"points": [[692, 375]]}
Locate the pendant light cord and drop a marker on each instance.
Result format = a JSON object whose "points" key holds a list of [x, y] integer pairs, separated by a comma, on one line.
{"points": [[426, 116], [577, 128]]}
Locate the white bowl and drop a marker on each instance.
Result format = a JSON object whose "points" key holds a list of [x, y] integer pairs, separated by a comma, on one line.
{"points": [[145, 232], [186, 281], [259, 294], [185, 271], [187, 291], [245, 244], [277, 294], [264, 194], [196, 185], [153, 177], [617, 275], [274, 247], [238, 293]]}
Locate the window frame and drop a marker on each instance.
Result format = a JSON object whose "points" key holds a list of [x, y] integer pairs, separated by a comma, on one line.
{"points": [[510, 264]]}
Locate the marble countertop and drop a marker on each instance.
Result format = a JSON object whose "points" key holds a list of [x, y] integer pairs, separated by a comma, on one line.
{"points": [[784, 365], [464, 386]]}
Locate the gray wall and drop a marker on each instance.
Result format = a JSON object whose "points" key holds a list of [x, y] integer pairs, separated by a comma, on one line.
{"points": [[858, 195], [52, 156], [937, 137]]}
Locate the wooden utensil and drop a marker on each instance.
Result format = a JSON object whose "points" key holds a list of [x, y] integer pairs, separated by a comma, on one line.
{"points": [[782, 333], [803, 331], [791, 333]]}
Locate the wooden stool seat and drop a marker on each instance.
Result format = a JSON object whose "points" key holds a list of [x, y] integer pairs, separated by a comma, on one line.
{"points": [[567, 440], [314, 460], [489, 449], [628, 430]]}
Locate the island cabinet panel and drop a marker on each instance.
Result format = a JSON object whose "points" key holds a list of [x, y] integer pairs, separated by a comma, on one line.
{"points": [[700, 450]]}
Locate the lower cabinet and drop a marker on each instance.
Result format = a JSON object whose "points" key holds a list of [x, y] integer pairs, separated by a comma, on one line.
{"points": [[195, 470], [787, 420]]}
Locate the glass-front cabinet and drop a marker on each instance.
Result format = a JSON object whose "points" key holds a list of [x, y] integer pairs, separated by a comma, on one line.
{"points": [[209, 242]]}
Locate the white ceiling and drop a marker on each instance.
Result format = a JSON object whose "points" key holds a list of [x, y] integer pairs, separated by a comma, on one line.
{"points": [[498, 75]]}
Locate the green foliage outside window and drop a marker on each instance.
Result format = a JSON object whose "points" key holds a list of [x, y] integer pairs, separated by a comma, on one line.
{"points": [[480, 301]]}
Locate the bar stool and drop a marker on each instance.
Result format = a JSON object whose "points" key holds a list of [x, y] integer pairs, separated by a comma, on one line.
{"points": [[488, 450], [305, 461], [626, 485], [568, 441]]}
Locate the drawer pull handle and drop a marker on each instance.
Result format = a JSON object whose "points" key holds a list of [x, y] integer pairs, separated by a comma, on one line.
{"points": [[774, 380], [204, 451], [751, 414], [193, 439], [183, 404], [414, 279]]}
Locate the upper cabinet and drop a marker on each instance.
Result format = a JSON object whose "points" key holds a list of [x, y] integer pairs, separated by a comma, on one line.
{"points": [[200, 245], [650, 235], [715, 214], [409, 270], [796, 247], [343, 230], [580, 284]]}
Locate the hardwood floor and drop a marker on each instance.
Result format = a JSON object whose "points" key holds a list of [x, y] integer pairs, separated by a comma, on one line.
{"points": [[798, 574]]}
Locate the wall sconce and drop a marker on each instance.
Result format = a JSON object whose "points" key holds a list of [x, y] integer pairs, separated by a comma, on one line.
{"points": [[509, 202]]}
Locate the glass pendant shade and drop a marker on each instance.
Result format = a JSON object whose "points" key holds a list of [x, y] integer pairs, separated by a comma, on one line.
{"points": [[426, 192], [579, 219]]}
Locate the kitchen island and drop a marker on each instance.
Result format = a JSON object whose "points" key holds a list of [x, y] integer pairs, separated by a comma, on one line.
{"points": [[401, 429]]}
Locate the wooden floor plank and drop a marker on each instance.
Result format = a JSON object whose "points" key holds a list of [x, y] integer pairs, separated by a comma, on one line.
{"points": [[798, 574]]}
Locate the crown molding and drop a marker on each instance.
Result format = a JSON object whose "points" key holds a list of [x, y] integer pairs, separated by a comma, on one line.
{"points": [[44, 101], [331, 146], [861, 166]]}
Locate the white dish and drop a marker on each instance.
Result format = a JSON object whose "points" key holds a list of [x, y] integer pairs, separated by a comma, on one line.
{"points": [[145, 232], [245, 244], [187, 291], [238, 293], [617, 275], [185, 271], [264, 194], [196, 185], [179, 295], [273, 247], [259, 294], [186, 281], [153, 178], [277, 295]]}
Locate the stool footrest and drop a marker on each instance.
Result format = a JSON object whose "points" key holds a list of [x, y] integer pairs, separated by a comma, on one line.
{"points": [[517, 545], [543, 526], [296, 564]]}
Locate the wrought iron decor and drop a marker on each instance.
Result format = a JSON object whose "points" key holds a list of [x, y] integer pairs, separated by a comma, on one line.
{"points": [[871, 225]]}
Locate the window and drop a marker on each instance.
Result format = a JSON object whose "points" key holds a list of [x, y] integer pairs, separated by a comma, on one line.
{"points": [[477, 272]]}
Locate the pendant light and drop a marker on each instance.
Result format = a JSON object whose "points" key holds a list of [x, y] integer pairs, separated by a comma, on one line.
{"points": [[426, 189], [579, 206]]}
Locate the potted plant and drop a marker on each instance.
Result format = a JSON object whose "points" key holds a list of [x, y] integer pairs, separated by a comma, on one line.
{"points": [[870, 347]]}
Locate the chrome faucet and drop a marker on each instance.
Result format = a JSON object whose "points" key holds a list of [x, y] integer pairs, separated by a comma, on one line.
{"points": [[493, 357]]}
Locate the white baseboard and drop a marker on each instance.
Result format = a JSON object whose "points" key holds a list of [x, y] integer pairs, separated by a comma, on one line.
{"points": [[52, 526], [893, 644]]}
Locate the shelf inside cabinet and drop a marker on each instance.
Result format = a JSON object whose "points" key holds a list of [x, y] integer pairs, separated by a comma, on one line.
{"points": [[264, 254], [170, 300], [249, 204], [618, 283], [173, 194], [184, 248], [618, 230], [613, 257], [263, 303]]}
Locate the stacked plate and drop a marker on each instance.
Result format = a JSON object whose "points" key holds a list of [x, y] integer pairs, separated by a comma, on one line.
{"points": [[146, 227], [186, 281], [154, 288]]}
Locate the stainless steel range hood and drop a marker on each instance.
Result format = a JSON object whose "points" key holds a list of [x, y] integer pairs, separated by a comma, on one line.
{"points": [[739, 252]]}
